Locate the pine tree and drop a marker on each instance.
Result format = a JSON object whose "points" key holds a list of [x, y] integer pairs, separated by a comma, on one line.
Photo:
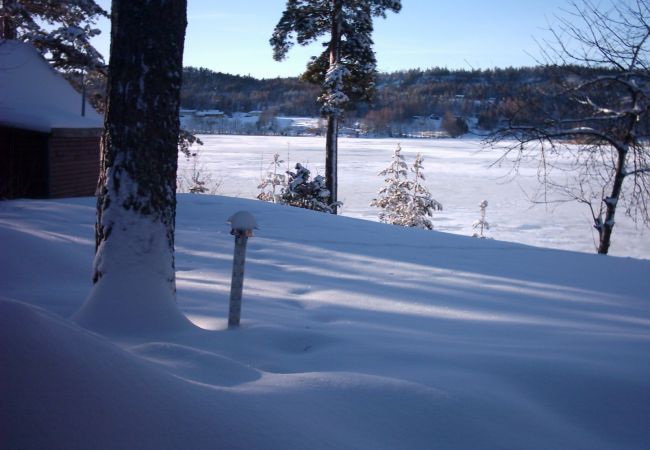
{"points": [[345, 69], [67, 43], [136, 204]]}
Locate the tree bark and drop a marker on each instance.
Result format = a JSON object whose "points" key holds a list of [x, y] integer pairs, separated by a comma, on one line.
{"points": [[331, 163], [331, 140], [136, 204], [605, 232]]}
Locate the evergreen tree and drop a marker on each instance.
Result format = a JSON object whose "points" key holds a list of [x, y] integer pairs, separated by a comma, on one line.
{"points": [[345, 69], [421, 205], [136, 204], [305, 193], [66, 41], [395, 196], [402, 201]]}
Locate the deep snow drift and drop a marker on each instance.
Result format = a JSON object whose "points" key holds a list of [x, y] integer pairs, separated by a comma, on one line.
{"points": [[354, 335]]}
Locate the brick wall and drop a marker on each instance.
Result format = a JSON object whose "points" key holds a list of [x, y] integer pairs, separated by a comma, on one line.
{"points": [[73, 163]]}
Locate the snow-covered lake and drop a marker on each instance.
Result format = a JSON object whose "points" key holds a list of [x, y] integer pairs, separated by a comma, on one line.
{"points": [[459, 174]]}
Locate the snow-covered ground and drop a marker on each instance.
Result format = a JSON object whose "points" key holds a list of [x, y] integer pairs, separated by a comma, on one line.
{"points": [[459, 175], [355, 334]]}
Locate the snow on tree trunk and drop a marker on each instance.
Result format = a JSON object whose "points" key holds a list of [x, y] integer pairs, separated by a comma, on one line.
{"points": [[134, 276]]}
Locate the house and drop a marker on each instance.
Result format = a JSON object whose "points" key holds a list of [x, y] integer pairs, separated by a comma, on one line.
{"points": [[48, 149], [210, 113]]}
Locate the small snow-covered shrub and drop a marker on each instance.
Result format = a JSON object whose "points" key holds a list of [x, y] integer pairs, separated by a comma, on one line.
{"points": [[481, 224], [402, 201], [272, 184], [302, 192], [196, 179]]}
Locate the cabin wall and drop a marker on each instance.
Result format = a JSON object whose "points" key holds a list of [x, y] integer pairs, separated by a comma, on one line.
{"points": [[73, 163]]}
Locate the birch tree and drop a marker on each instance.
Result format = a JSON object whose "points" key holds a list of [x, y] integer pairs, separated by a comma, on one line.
{"points": [[134, 275], [601, 143], [347, 66]]}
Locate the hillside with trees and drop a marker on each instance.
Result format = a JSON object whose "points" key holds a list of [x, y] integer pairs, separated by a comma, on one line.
{"points": [[403, 100]]}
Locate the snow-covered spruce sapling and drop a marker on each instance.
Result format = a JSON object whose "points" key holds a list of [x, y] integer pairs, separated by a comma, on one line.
{"points": [[396, 194], [421, 205], [302, 192], [402, 201], [272, 184], [481, 224]]}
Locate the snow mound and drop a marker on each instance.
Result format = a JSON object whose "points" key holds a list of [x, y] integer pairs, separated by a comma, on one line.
{"points": [[132, 303], [63, 387]]}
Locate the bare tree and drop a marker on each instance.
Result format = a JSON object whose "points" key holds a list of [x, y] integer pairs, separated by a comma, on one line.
{"points": [[597, 130]]}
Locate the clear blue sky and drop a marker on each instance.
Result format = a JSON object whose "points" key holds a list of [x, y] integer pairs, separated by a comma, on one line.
{"points": [[232, 36]]}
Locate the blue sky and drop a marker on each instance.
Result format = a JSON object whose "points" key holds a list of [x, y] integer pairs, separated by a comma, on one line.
{"points": [[232, 36]]}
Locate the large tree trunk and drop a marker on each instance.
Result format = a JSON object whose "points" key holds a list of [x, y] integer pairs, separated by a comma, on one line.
{"points": [[331, 140], [134, 275], [331, 154]]}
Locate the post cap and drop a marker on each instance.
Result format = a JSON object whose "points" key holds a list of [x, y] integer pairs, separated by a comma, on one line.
{"points": [[243, 222]]}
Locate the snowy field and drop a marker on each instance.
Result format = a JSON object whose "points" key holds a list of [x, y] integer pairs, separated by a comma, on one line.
{"points": [[458, 175], [355, 334]]}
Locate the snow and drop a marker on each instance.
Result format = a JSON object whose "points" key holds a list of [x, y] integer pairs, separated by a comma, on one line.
{"points": [[34, 96], [242, 221], [354, 334], [135, 289], [459, 174]]}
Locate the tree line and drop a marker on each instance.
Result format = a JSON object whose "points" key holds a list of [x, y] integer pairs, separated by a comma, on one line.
{"points": [[487, 95]]}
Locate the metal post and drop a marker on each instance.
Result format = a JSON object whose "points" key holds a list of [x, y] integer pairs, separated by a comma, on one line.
{"points": [[237, 284], [83, 93]]}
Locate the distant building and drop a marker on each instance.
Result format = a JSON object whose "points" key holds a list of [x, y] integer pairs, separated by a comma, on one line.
{"points": [[210, 113], [47, 148]]}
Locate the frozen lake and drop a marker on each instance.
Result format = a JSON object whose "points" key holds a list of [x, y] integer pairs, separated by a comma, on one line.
{"points": [[458, 174]]}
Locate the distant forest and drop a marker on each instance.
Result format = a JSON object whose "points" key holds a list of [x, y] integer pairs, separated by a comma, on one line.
{"points": [[485, 96]]}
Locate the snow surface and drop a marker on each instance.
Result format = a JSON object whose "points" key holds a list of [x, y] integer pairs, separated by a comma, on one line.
{"points": [[354, 334], [458, 174], [34, 96]]}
